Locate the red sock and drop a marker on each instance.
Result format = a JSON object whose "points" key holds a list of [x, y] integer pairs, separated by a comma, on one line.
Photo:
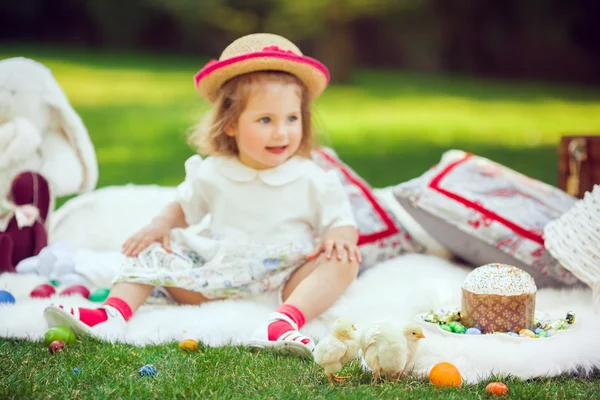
{"points": [[93, 316], [121, 306], [278, 328]]}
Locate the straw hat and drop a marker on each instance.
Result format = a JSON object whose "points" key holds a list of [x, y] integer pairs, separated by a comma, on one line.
{"points": [[261, 52], [574, 240]]}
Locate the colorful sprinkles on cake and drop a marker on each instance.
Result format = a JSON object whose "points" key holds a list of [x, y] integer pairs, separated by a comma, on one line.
{"points": [[500, 279]]}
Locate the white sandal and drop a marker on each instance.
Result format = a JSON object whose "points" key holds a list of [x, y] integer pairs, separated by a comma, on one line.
{"points": [[289, 343], [111, 329]]}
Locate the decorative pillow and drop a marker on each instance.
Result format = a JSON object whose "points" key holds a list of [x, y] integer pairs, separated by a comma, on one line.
{"points": [[381, 235], [484, 212]]}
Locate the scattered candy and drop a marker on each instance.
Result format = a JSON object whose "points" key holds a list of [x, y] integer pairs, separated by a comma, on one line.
{"points": [[457, 327], [497, 389], [445, 374], [55, 283], [443, 317], [76, 289], [188, 345], [76, 370], [526, 333], [56, 346], [99, 295], [59, 333], [450, 322], [6, 297], [42, 291], [147, 370]]}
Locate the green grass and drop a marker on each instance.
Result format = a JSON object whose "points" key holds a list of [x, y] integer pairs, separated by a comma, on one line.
{"points": [[389, 126], [110, 371]]}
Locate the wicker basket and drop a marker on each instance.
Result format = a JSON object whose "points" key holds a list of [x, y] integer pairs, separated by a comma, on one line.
{"points": [[574, 240]]}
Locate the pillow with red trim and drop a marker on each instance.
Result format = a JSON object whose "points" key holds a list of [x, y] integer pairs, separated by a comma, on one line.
{"points": [[381, 235], [484, 212]]}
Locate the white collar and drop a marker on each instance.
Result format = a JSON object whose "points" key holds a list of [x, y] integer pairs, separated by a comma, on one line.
{"points": [[289, 171]]}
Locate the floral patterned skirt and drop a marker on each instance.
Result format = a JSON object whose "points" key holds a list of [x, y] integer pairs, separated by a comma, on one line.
{"points": [[215, 267]]}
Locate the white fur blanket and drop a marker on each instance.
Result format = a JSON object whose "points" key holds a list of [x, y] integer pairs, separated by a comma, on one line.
{"points": [[394, 291]]}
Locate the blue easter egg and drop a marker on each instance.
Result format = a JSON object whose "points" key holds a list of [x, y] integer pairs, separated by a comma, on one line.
{"points": [[537, 330], [513, 334], [76, 370], [147, 370], [6, 297], [473, 331]]}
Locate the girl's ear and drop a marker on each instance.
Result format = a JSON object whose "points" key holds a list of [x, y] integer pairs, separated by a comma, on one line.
{"points": [[230, 130]]}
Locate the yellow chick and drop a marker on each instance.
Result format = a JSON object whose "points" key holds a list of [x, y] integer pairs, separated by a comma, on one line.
{"points": [[388, 350], [337, 349]]}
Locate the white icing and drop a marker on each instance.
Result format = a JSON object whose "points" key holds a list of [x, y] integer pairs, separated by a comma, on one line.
{"points": [[499, 279]]}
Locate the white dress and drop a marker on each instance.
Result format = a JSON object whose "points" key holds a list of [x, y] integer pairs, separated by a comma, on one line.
{"points": [[263, 223]]}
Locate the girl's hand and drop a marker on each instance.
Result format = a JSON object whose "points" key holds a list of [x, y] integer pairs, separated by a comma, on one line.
{"points": [[340, 242], [159, 230]]}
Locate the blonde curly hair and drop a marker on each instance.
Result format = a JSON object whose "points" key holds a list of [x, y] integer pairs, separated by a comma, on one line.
{"points": [[209, 136]]}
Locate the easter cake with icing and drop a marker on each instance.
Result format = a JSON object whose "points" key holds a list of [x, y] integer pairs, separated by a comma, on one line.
{"points": [[498, 298]]}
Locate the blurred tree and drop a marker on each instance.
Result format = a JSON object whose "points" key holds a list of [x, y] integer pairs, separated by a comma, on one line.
{"points": [[547, 39], [330, 22], [230, 18]]}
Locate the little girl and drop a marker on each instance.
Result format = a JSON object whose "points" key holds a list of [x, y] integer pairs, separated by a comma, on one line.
{"points": [[267, 201]]}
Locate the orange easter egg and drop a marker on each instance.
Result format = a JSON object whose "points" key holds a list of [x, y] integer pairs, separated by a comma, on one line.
{"points": [[188, 345], [445, 374], [497, 389]]}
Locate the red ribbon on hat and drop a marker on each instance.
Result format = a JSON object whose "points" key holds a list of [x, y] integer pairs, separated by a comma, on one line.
{"points": [[277, 49]]}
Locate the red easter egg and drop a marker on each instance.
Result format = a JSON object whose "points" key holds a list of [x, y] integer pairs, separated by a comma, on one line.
{"points": [[56, 346], [497, 389], [42, 291], [76, 289]]}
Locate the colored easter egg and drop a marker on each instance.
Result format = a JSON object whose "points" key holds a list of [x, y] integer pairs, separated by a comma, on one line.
{"points": [[55, 283], [497, 389], [59, 333], [537, 330], [99, 295], [76, 289], [526, 333], [473, 331], [457, 327], [42, 291], [446, 327], [445, 374], [56, 346], [513, 334], [188, 345], [542, 334], [147, 370], [6, 297]]}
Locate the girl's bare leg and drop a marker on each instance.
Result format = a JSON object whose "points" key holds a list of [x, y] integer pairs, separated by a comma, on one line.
{"points": [[135, 294], [316, 285], [183, 296]]}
